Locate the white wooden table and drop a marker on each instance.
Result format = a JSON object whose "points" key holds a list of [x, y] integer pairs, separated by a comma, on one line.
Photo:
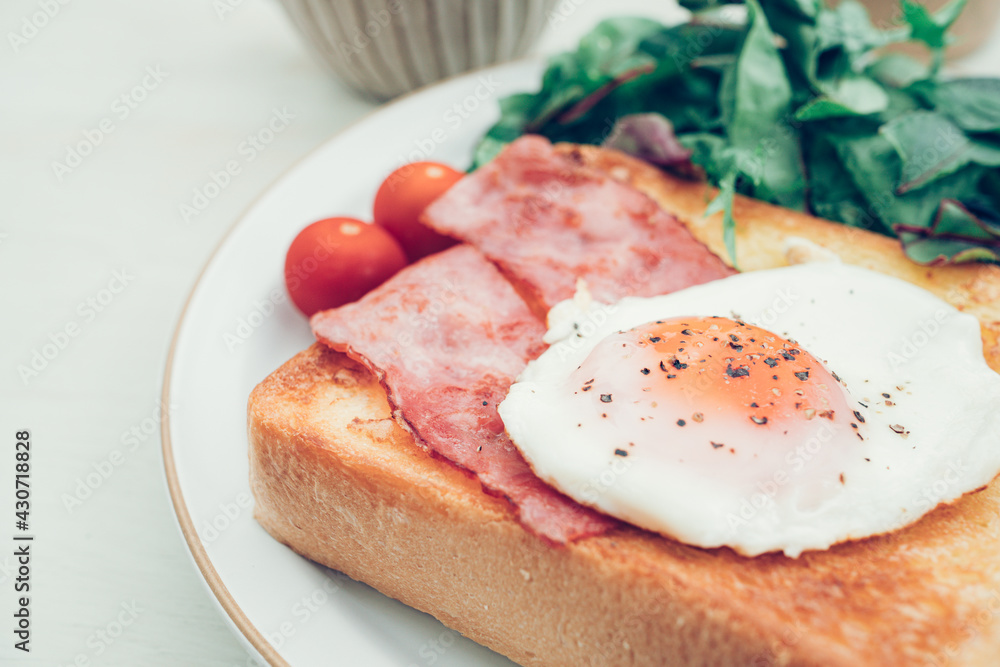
{"points": [[113, 116]]}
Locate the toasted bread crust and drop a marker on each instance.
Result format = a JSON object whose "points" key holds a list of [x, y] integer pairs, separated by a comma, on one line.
{"points": [[340, 482]]}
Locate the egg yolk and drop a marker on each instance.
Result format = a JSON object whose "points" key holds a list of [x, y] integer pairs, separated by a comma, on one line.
{"points": [[714, 382]]}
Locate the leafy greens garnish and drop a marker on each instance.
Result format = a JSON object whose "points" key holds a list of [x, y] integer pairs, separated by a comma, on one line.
{"points": [[795, 103]]}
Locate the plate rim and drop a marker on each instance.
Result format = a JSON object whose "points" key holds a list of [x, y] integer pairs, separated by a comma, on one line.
{"points": [[209, 575]]}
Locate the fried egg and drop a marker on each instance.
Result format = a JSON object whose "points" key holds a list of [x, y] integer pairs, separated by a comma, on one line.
{"points": [[780, 410]]}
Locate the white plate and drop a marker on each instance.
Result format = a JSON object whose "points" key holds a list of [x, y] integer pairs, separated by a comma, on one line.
{"points": [[238, 326]]}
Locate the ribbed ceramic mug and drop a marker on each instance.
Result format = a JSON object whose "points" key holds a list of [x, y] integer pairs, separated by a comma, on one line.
{"points": [[383, 48]]}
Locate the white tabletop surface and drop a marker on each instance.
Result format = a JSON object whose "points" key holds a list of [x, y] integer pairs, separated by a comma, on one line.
{"points": [[96, 261]]}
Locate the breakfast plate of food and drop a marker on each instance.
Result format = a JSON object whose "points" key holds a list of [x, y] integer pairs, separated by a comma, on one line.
{"points": [[617, 395]]}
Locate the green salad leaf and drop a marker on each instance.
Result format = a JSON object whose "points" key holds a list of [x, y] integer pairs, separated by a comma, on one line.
{"points": [[795, 103]]}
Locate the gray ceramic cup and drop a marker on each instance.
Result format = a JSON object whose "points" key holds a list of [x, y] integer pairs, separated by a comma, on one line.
{"points": [[383, 48]]}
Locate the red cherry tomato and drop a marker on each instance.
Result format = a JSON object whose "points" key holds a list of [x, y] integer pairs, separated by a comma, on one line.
{"points": [[404, 196], [339, 260]]}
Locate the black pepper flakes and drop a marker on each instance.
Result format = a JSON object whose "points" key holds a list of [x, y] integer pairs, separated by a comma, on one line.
{"points": [[605, 398], [771, 361], [802, 375], [621, 452], [587, 388], [735, 346], [687, 332], [655, 339], [645, 371], [676, 363], [717, 445], [885, 395], [485, 402], [742, 371], [787, 357], [681, 422], [760, 421], [858, 415]]}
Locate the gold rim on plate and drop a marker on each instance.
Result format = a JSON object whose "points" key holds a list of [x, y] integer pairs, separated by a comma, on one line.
{"points": [[201, 559]]}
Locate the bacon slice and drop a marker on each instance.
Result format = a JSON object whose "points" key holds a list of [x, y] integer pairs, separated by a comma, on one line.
{"points": [[546, 220], [446, 337]]}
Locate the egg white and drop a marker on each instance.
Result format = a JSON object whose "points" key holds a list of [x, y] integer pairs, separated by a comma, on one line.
{"points": [[878, 333]]}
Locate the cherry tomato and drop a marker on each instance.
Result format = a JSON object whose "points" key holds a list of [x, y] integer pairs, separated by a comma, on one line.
{"points": [[339, 260], [404, 196]]}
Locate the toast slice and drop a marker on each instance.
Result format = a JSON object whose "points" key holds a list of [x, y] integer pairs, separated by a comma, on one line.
{"points": [[336, 479], [340, 482]]}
